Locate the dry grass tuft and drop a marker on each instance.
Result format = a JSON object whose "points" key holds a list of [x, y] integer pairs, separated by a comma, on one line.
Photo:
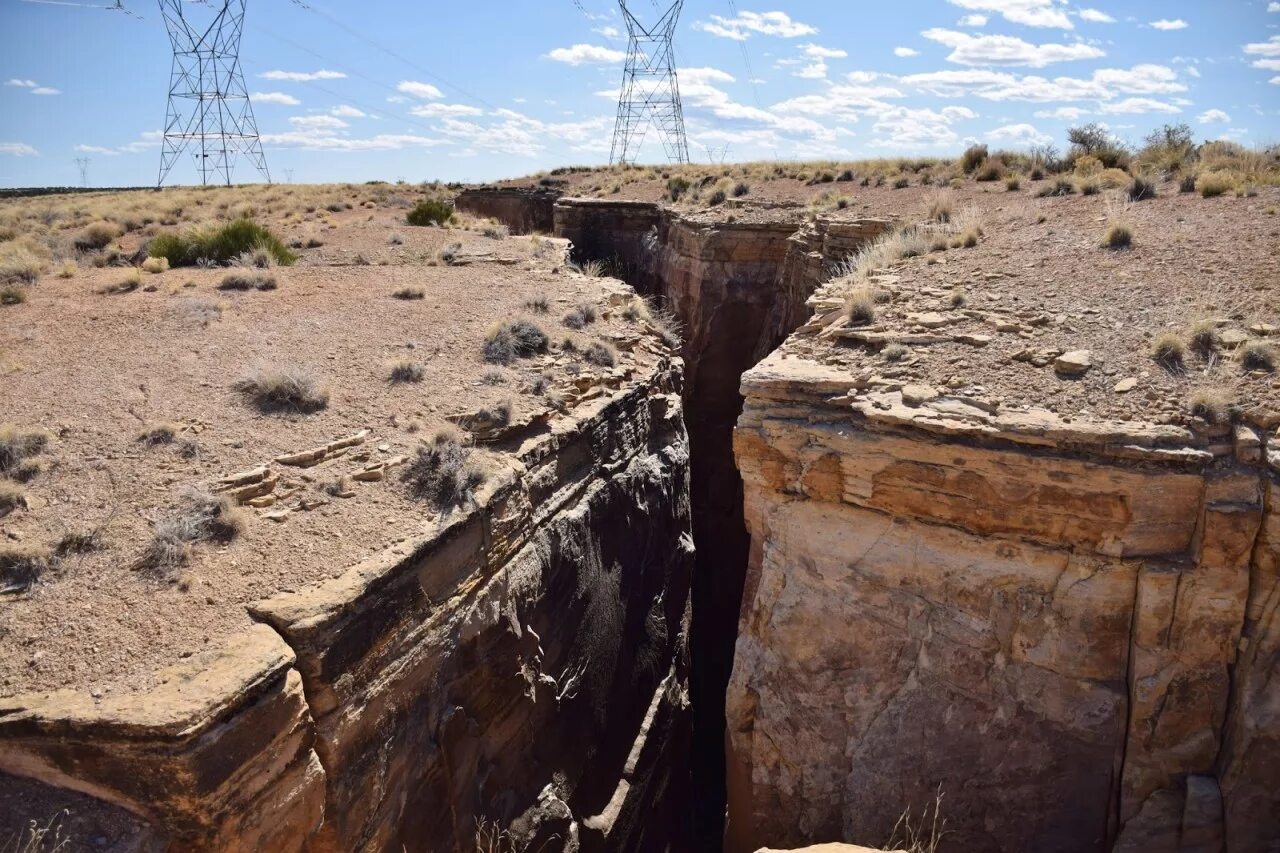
{"points": [[21, 566], [248, 281], [1259, 355], [155, 266], [199, 517], [942, 206], [406, 370], [1213, 405], [96, 235], [283, 389], [131, 282], [442, 472], [12, 294], [17, 447], [409, 293], [582, 315], [861, 307], [515, 339], [1169, 350], [1205, 338], [12, 497], [161, 432], [600, 354], [1119, 235]]}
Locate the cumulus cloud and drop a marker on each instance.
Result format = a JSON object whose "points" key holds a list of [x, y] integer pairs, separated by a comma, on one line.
{"points": [[418, 90], [817, 51], [18, 149], [1139, 105], [587, 54], [1212, 116], [1096, 16], [274, 98], [905, 52], [1007, 50], [1104, 84], [972, 21], [1031, 13], [1063, 113], [1273, 7], [1270, 47], [1019, 134], [302, 76], [345, 111], [741, 28], [317, 122], [325, 141], [1167, 24]]}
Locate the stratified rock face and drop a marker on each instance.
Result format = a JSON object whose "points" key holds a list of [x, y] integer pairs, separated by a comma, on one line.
{"points": [[519, 667], [1067, 628], [521, 209]]}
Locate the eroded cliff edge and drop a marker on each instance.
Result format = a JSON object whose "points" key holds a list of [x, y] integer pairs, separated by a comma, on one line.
{"points": [[518, 666], [1066, 625]]}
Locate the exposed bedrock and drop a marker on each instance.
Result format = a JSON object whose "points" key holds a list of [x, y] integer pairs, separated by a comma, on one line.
{"points": [[737, 285], [522, 664], [523, 210], [1067, 628]]}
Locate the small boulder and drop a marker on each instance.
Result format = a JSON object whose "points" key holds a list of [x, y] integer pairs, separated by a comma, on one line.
{"points": [[1124, 386], [918, 395], [1074, 363]]}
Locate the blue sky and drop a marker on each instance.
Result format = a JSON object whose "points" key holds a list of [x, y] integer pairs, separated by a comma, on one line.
{"points": [[391, 89]]}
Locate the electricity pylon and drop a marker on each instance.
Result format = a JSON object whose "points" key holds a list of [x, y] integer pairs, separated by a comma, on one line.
{"points": [[650, 90], [82, 163], [209, 110]]}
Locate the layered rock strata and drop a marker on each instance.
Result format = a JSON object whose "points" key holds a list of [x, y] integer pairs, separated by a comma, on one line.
{"points": [[1067, 627], [519, 666], [524, 210]]}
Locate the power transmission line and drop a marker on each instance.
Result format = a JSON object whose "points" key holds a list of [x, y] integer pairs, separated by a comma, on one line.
{"points": [[209, 110], [650, 91], [83, 164]]}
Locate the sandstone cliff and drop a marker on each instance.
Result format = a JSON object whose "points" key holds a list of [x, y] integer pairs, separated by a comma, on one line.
{"points": [[1066, 625]]}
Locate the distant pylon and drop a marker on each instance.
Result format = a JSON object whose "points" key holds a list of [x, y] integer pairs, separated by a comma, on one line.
{"points": [[83, 164], [209, 110], [650, 90]]}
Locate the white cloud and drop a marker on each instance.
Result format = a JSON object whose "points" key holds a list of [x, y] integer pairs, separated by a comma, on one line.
{"points": [[319, 141], [319, 122], [1270, 47], [1007, 50], [905, 52], [438, 110], [1103, 85], [1138, 105], [608, 32], [18, 149], [97, 149], [32, 86], [1273, 7], [1275, 81], [972, 21], [1192, 71], [905, 128], [587, 54], [344, 111], [1019, 134], [704, 76], [817, 51], [1032, 13], [1266, 64], [302, 76], [812, 71], [1210, 116], [1063, 113], [1166, 24], [741, 27], [1096, 16], [418, 90], [274, 98]]}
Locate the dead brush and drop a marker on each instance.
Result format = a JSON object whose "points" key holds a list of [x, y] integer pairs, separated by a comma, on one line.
{"points": [[600, 354], [283, 389], [11, 497], [131, 282], [860, 307], [1259, 356], [1205, 338], [409, 294], [442, 472], [21, 566], [942, 206], [1169, 351], [515, 339], [17, 447], [1212, 405], [198, 517], [582, 315], [161, 432], [920, 835], [248, 281], [406, 370]]}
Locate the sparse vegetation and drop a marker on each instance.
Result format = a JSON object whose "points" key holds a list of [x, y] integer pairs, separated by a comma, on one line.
{"points": [[538, 305], [220, 245], [161, 432], [516, 339], [198, 517], [406, 370], [12, 294], [283, 389], [942, 206], [973, 157], [496, 414], [12, 497], [1169, 350], [861, 307], [1141, 189], [430, 212], [442, 472], [1013, 183], [68, 269], [1259, 355], [582, 315], [1119, 235], [894, 352], [409, 293], [1059, 187], [96, 235], [1213, 405], [155, 266], [21, 566], [248, 281], [600, 354], [1215, 184], [1205, 338]]}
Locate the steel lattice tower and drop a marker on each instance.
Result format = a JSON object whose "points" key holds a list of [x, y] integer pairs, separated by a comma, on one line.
{"points": [[650, 90], [209, 110]]}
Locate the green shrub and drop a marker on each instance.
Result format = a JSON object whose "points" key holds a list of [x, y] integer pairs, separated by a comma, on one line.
{"points": [[430, 212], [220, 245]]}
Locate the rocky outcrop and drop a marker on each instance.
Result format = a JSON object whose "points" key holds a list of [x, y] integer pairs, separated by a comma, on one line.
{"points": [[1068, 627], [524, 210], [519, 666]]}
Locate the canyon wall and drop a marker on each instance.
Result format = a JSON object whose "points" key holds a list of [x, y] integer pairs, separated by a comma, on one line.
{"points": [[1067, 628], [521, 665], [524, 210], [736, 281]]}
